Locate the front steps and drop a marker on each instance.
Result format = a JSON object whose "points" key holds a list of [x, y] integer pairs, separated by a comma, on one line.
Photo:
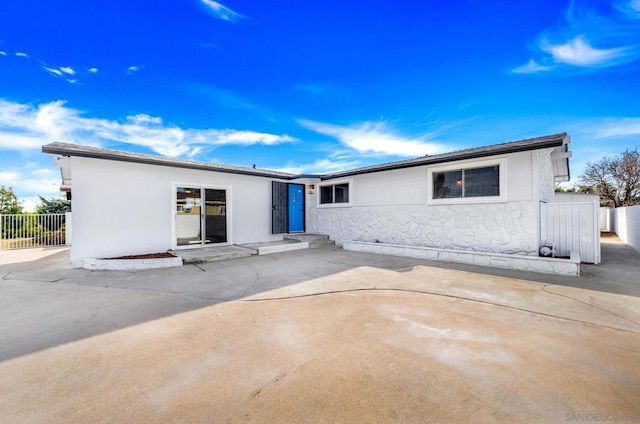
{"points": [[212, 254], [222, 253], [314, 240]]}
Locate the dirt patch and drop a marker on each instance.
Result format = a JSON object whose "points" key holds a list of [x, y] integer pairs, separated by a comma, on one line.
{"points": [[161, 255]]}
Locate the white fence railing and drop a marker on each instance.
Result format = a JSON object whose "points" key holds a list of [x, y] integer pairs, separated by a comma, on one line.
{"points": [[24, 231], [572, 226]]}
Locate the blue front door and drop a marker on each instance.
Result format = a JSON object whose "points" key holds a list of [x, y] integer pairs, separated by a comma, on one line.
{"points": [[296, 208]]}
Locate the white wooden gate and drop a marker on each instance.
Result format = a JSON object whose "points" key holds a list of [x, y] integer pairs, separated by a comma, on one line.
{"points": [[572, 226]]}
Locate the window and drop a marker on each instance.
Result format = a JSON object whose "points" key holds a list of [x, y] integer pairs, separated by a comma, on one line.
{"points": [[335, 193], [472, 182]]}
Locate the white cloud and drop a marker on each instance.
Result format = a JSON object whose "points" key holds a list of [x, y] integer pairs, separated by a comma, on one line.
{"points": [[30, 181], [19, 142], [316, 89], [3, 53], [615, 127], [65, 72], [579, 52], [133, 68], [22, 54], [42, 172], [530, 67], [53, 71], [143, 118], [374, 137], [320, 166], [47, 185], [29, 204], [93, 70], [630, 8], [250, 137], [8, 178], [221, 11], [25, 126], [591, 36]]}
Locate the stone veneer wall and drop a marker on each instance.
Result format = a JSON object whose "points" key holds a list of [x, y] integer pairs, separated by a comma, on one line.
{"points": [[509, 228]]}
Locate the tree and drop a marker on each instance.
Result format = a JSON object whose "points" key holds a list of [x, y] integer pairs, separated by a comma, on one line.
{"points": [[9, 201], [615, 179], [53, 205]]}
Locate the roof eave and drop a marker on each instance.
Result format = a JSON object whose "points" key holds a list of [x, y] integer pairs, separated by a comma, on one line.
{"points": [[463, 156], [52, 149]]}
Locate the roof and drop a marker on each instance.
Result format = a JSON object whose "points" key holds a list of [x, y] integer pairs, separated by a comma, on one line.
{"points": [[547, 141], [68, 149], [561, 164]]}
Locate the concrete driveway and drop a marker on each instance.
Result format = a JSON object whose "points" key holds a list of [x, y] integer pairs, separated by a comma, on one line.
{"points": [[322, 335]]}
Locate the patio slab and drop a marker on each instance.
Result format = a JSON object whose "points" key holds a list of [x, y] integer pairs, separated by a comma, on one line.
{"points": [[321, 335], [358, 356]]}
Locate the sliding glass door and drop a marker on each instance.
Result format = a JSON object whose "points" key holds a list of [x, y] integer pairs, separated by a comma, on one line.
{"points": [[215, 216], [201, 216]]}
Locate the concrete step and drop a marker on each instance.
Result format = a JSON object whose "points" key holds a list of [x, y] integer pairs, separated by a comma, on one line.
{"points": [[213, 254], [314, 240], [267, 248]]}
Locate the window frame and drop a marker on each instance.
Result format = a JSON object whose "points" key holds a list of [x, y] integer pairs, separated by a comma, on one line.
{"points": [[502, 197], [332, 183]]}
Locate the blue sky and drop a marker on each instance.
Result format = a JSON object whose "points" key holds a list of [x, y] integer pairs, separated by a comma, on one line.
{"points": [[312, 86]]}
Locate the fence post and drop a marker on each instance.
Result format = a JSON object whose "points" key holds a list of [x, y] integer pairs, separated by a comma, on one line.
{"points": [[67, 229]]}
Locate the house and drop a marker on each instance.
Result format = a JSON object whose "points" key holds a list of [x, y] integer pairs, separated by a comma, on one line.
{"points": [[484, 199]]}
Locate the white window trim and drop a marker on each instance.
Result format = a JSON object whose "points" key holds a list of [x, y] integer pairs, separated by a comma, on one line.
{"points": [[335, 205], [501, 162], [174, 196]]}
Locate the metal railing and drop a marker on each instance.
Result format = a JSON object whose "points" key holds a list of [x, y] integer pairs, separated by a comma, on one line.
{"points": [[25, 231]]}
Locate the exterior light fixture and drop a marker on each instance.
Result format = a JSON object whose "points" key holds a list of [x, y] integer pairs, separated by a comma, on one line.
{"points": [[311, 189]]}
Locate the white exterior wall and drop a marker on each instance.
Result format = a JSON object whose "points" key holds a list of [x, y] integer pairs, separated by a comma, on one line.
{"points": [[627, 225], [605, 219], [577, 198], [391, 207], [546, 183], [122, 208]]}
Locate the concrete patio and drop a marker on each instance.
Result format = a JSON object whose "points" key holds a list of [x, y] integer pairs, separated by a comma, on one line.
{"points": [[318, 335]]}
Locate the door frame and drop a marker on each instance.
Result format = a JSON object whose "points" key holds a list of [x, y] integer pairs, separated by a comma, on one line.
{"points": [[276, 223], [229, 208], [304, 208]]}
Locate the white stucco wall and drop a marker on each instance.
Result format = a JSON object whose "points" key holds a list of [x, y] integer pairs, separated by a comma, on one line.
{"points": [[391, 207], [627, 225], [546, 183], [122, 208]]}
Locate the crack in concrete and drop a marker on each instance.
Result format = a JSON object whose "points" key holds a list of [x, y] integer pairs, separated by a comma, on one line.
{"points": [[449, 296], [259, 390], [544, 289], [253, 284]]}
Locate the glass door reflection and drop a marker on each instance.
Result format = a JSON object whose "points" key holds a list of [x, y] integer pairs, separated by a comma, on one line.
{"points": [[188, 216]]}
